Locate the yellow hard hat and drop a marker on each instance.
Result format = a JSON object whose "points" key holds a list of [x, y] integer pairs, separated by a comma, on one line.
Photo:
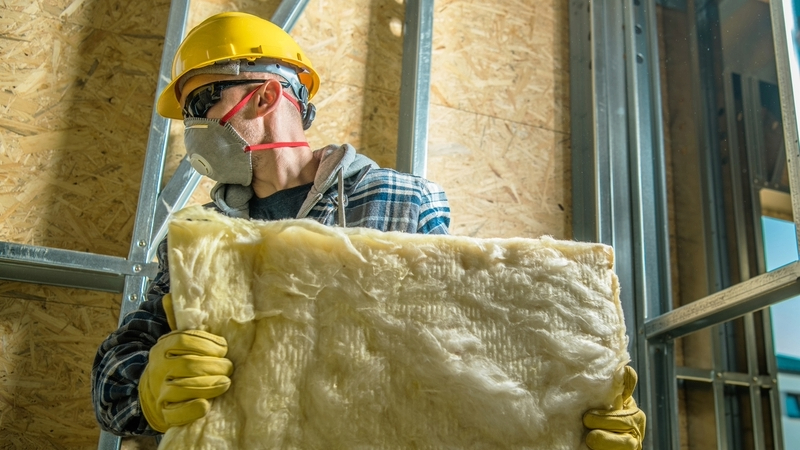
{"points": [[233, 36]]}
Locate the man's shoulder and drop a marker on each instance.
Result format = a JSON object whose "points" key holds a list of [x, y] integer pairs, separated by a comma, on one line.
{"points": [[390, 178]]}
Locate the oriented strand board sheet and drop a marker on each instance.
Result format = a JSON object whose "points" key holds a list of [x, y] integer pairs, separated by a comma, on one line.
{"points": [[499, 134], [354, 338], [78, 81], [507, 59], [506, 179], [48, 340]]}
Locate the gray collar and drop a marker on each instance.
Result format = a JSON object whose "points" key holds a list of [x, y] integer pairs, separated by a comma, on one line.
{"points": [[234, 199]]}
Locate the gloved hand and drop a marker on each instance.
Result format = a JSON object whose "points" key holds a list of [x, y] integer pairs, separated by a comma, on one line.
{"points": [[620, 428], [185, 370]]}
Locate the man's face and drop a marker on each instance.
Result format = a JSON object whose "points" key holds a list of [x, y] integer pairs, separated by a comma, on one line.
{"points": [[226, 100]]}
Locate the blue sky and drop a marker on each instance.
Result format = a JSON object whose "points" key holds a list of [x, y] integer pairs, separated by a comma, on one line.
{"points": [[780, 248]]}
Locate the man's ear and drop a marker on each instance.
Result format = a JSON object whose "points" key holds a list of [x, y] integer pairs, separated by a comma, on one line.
{"points": [[268, 97]]}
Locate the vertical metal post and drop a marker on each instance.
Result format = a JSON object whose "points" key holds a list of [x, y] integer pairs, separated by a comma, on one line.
{"points": [[734, 150], [412, 137], [598, 110], [774, 392], [153, 169], [758, 173], [586, 166], [787, 50], [784, 35], [702, 15], [721, 418], [288, 12], [175, 195], [756, 412], [648, 191], [619, 181], [108, 441]]}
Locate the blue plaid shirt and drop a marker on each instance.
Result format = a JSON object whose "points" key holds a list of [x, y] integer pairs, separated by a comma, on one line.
{"points": [[381, 199]]}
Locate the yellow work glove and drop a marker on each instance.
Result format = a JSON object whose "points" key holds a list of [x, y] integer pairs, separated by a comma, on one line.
{"points": [[620, 428], [185, 370]]}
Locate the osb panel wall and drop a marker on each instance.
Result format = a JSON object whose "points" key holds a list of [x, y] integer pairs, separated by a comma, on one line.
{"points": [[499, 140], [48, 338], [77, 93], [78, 81]]}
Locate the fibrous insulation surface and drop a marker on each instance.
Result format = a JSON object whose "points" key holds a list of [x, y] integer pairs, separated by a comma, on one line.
{"points": [[354, 338]]}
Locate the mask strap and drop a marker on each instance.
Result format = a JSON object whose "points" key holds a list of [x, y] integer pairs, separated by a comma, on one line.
{"points": [[251, 148], [241, 104], [294, 102], [236, 108]]}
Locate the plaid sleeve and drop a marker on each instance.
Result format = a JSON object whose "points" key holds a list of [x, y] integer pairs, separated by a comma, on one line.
{"points": [[122, 357], [434, 211]]}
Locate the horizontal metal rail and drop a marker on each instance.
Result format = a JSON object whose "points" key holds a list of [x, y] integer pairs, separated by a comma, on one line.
{"points": [[738, 300], [730, 378], [68, 268]]}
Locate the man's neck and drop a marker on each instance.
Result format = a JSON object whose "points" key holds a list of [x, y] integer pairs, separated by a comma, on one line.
{"points": [[282, 168]]}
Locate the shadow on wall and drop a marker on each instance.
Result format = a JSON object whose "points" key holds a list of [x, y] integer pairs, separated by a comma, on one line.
{"points": [[109, 88], [94, 100], [48, 345]]}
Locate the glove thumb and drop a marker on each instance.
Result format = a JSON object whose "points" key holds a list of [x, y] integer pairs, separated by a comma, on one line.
{"points": [[629, 380]]}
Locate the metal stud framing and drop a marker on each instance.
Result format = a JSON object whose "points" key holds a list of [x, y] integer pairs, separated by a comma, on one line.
{"points": [[610, 194], [42, 265], [618, 179]]}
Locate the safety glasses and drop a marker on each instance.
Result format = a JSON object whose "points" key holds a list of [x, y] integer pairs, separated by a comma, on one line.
{"points": [[200, 100]]}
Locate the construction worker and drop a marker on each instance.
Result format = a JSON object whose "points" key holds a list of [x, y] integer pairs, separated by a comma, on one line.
{"points": [[243, 87]]}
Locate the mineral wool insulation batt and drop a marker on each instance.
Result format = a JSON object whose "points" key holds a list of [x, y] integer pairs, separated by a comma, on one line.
{"points": [[359, 339]]}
